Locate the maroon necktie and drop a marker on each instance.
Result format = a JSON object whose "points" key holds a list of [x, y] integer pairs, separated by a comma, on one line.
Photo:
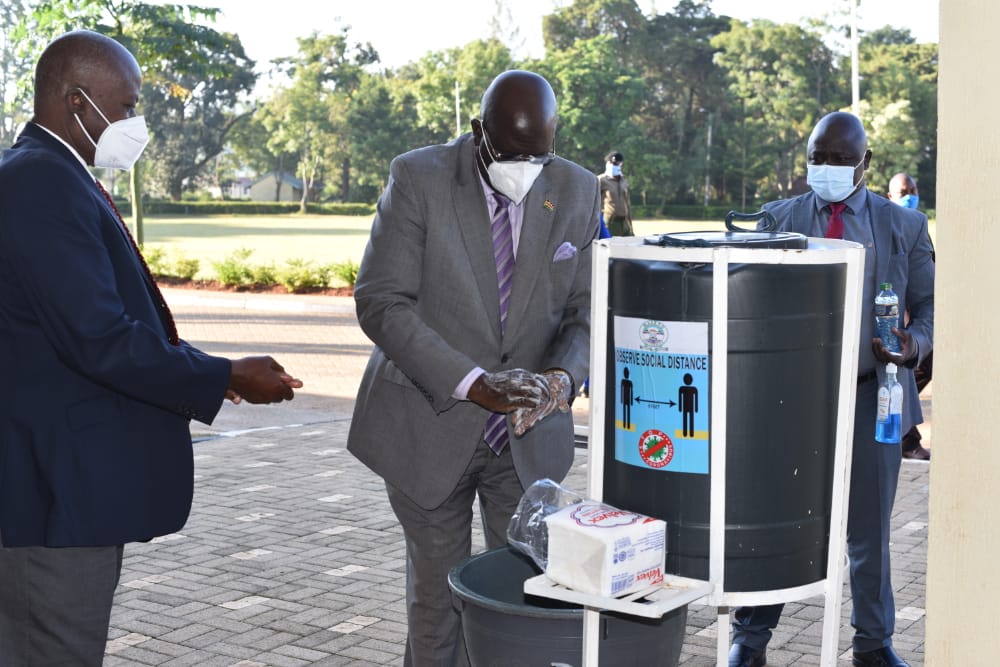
{"points": [[160, 301], [835, 227]]}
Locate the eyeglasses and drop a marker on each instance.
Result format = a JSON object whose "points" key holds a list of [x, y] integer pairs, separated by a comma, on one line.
{"points": [[541, 159]]}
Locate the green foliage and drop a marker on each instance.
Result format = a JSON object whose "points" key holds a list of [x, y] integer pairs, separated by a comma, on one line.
{"points": [[263, 274], [234, 270], [702, 106], [177, 266], [297, 275], [156, 260], [599, 97], [185, 267], [780, 81], [300, 274], [246, 207], [345, 272]]}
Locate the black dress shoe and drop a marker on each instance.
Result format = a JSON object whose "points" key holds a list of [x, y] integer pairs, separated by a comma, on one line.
{"points": [[917, 453], [744, 656], [883, 657]]}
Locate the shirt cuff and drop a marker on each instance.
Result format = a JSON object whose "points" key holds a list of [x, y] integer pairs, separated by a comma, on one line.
{"points": [[462, 390]]}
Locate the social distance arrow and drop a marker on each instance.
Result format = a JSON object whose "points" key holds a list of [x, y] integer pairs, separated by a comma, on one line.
{"points": [[646, 400]]}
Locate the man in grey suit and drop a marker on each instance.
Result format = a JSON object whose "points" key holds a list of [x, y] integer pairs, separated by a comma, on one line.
{"points": [[475, 288], [897, 250]]}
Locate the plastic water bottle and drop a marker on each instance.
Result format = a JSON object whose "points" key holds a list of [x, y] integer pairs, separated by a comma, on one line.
{"points": [[887, 317], [889, 420]]}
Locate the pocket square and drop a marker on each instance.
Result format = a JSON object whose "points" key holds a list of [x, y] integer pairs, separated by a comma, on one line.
{"points": [[565, 251]]}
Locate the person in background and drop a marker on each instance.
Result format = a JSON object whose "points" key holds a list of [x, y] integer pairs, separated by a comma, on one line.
{"points": [[903, 191], [615, 207], [897, 250], [475, 289], [95, 442]]}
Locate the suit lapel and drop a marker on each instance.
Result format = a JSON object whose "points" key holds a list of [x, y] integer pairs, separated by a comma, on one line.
{"points": [[472, 214], [880, 218], [536, 228]]}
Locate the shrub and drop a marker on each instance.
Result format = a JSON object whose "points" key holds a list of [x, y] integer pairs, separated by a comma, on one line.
{"points": [[346, 272], [299, 274], [234, 270], [263, 274], [156, 260], [184, 267]]}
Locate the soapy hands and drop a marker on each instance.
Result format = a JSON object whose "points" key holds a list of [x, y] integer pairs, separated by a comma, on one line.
{"points": [[531, 397], [506, 391], [560, 388]]}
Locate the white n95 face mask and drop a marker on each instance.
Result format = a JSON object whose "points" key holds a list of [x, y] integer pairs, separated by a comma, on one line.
{"points": [[513, 179], [121, 144], [833, 183]]}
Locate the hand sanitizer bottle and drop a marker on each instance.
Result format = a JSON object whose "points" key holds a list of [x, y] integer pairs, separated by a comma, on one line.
{"points": [[889, 420]]}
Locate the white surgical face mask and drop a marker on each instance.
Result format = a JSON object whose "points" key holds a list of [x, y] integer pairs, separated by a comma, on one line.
{"points": [[121, 144], [833, 183], [612, 169], [513, 179]]}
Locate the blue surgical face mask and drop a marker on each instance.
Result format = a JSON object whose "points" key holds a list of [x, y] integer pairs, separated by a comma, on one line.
{"points": [[909, 201], [832, 182]]}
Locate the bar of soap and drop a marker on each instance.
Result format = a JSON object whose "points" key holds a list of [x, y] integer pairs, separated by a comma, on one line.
{"points": [[601, 550]]}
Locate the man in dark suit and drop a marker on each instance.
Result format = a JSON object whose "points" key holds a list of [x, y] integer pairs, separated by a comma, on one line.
{"points": [[897, 250], [95, 448], [475, 288]]}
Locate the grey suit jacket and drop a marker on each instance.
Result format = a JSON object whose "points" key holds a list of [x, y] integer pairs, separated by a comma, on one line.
{"points": [[903, 256], [427, 296]]}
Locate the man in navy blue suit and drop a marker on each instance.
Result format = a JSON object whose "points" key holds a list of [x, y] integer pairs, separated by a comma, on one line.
{"points": [[95, 447], [897, 250]]}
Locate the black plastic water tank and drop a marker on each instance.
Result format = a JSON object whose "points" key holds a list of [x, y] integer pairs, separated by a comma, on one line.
{"points": [[785, 336]]}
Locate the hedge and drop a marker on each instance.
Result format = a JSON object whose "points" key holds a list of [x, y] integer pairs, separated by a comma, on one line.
{"points": [[241, 207]]}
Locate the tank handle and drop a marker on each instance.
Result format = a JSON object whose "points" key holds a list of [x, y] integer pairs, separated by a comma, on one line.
{"points": [[769, 222]]}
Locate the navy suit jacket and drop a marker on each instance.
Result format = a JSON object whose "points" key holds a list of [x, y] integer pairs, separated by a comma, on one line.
{"points": [[95, 447], [903, 257]]}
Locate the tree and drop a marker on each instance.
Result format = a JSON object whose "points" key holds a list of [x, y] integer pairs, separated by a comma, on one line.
{"points": [[598, 100], [894, 68], [173, 50], [432, 82], [781, 79], [248, 141], [686, 90], [308, 116], [382, 123], [16, 68], [585, 19], [195, 89], [894, 142]]}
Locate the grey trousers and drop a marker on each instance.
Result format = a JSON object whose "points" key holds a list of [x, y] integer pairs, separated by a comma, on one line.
{"points": [[874, 478], [55, 604], [439, 539]]}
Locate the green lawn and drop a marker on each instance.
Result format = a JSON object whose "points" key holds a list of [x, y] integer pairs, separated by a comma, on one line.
{"points": [[323, 239]]}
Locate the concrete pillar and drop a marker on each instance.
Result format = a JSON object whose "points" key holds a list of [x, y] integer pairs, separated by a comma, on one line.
{"points": [[963, 588]]}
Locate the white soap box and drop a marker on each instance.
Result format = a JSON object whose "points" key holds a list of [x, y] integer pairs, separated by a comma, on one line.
{"points": [[601, 550]]}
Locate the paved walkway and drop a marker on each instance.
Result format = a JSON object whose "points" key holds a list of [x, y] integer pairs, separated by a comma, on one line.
{"points": [[292, 555]]}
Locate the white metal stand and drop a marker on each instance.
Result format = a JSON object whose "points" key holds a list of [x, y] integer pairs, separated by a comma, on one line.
{"points": [[680, 591]]}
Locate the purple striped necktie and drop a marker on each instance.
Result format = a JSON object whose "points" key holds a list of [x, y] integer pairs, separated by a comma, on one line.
{"points": [[495, 433]]}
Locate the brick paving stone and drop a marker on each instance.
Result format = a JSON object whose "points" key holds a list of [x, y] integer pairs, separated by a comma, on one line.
{"points": [[188, 576]]}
